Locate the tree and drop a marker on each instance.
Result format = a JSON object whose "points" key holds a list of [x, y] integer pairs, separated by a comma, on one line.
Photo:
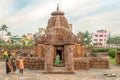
{"points": [[112, 52], [86, 38], [9, 33], [24, 36], [114, 40], [3, 28]]}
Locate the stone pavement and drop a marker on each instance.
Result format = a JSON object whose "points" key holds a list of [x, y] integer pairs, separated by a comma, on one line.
{"points": [[92, 74]]}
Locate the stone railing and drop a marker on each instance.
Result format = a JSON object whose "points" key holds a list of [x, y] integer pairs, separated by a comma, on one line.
{"points": [[81, 63], [98, 62], [34, 63], [91, 62]]}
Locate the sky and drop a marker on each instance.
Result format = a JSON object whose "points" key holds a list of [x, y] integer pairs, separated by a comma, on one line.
{"points": [[26, 16]]}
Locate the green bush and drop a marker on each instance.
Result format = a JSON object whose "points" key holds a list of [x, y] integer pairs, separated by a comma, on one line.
{"points": [[97, 50], [10, 46], [112, 52]]}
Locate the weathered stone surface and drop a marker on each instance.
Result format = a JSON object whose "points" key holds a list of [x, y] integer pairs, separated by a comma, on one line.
{"points": [[92, 62], [69, 62], [118, 57], [79, 51], [49, 50]]}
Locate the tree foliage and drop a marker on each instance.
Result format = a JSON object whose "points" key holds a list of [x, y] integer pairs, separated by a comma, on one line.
{"points": [[3, 28], [86, 38], [112, 52], [9, 33], [114, 40]]}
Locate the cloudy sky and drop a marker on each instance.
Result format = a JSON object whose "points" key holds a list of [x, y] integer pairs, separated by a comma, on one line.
{"points": [[24, 16]]}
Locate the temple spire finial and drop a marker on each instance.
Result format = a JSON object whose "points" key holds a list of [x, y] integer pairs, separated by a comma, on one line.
{"points": [[57, 6]]}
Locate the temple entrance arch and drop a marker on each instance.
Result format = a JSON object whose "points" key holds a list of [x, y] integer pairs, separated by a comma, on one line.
{"points": [[59, 49], [59, 52]]}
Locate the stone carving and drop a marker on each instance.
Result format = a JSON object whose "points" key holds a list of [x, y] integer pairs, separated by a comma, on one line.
{"points": [[49, 58], [69, 63]]}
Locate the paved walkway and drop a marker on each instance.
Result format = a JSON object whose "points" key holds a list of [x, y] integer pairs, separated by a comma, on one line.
{"points": [[92, 74]]}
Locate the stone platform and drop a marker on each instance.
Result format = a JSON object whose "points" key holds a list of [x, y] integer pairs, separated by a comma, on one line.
{"points": [[59, 72], [91, 74]]}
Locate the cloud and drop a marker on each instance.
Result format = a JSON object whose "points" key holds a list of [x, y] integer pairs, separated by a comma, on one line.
{"points": [[29, 15]]}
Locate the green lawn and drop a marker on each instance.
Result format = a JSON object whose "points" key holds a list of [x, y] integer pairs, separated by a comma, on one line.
{"points": [[112, 61]]}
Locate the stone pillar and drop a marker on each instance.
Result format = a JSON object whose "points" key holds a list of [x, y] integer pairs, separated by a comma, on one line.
{"points": [[69, 61], [49, 51]]}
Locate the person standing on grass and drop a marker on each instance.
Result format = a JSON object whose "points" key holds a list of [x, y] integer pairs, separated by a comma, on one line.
{"points": [[21, 64]]}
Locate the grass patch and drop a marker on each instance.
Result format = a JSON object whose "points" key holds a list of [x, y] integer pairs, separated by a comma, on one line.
{"points": [[112, 61]]}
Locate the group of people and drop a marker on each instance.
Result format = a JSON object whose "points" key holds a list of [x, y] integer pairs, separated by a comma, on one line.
{"points": [[11, 62]]}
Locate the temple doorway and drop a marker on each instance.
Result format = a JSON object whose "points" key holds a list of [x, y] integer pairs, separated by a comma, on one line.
{"points": [[59, 52]]}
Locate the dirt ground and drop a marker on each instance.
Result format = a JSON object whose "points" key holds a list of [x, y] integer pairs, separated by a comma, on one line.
{"points": [[91, 74]]}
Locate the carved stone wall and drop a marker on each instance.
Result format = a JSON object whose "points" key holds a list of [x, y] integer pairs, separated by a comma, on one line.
{"points": [[33, 63], [99, 62], [36, 51], [49, 52], [69, 62], [40, 50], [92, 62], [81, 63], [79, 51], [118, 58]]}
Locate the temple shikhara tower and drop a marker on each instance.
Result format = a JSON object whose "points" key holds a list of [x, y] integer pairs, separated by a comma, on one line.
{"points": [[58, 39]]}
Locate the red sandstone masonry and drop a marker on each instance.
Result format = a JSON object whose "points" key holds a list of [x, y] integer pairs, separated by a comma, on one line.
{"points": [[99, 62], [92, 62], [34, 63]]}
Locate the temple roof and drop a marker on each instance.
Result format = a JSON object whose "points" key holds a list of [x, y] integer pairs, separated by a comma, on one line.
{"points": [[58, 20], [57, 12], [58, 31]]}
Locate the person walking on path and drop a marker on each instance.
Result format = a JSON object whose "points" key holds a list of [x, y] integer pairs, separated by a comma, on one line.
{"points": [[21, 64]]}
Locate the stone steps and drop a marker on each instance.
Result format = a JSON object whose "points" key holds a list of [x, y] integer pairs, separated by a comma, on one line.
{"points": [[59, 72], [61, 64]]}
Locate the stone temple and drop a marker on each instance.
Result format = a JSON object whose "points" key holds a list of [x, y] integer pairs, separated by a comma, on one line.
{"points": [[59, 39]]}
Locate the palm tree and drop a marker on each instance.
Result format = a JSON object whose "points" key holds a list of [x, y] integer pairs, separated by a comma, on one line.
{"points": [[3, 28]]}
